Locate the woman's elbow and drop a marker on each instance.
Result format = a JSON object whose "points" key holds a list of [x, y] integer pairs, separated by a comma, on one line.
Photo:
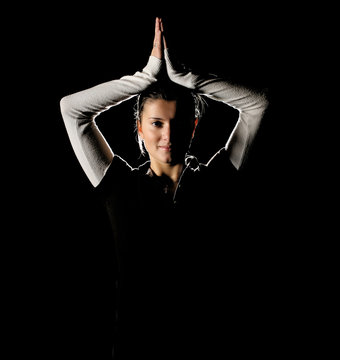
{"points": [[65, 105], [69, 109], [264, 101]]}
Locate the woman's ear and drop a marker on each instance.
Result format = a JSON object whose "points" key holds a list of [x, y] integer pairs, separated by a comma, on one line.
{"points": [[139, 128]]}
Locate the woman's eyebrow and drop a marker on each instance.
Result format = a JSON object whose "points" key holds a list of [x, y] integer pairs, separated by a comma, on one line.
{"points": [[155, 118]]}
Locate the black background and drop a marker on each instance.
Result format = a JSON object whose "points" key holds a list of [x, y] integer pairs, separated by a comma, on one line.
{"points": [[60, 248]]}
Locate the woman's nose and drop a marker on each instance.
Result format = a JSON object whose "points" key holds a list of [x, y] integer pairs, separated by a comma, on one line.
{"points": [[166, 133]]}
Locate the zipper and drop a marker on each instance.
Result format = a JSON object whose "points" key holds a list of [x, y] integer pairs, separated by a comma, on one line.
{"points": [[179, 183]]}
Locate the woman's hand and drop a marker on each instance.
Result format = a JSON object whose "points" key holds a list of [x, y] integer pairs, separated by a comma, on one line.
{"points": [[163, 35], [159, 40]]}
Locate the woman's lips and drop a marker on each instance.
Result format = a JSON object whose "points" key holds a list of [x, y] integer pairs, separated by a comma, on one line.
{"points": [[165, 147]]}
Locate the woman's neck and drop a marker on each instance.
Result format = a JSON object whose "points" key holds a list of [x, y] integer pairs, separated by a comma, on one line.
{"points": [[172, 172]]}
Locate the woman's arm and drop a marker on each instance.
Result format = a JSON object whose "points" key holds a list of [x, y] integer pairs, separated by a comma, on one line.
{"points": [[250, 104], [80, 109]]}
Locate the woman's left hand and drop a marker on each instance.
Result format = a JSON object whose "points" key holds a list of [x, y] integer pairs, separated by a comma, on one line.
{"points": [[157, 49]]}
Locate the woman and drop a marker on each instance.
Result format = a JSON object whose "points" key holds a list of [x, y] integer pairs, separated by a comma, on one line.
{"points": [[166, 215]]}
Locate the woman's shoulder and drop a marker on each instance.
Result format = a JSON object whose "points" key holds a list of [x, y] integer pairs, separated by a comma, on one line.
{"points": [[220, 161], [120, 174]]}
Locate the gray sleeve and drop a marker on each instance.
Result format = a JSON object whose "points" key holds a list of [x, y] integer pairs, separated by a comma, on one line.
{"points": [[80, 109], [251, 106]]}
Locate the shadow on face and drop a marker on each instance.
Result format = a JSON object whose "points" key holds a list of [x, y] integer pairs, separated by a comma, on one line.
{"points": [[166, 128]]}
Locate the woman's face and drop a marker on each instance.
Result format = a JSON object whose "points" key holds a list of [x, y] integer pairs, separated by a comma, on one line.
{"points": [[166, 130]]}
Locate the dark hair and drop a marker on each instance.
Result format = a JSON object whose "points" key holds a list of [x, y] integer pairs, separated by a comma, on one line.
{"points": [[192, 102]]}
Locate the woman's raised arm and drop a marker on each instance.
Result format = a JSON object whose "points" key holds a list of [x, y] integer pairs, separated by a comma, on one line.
{"points": [[250, 104], [80, 109]]}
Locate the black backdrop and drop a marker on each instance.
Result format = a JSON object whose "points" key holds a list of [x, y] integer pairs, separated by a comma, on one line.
{"points": [[62, 248]]}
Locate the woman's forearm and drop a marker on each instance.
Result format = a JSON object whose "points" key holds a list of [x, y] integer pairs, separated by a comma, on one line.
{"points": [[80, 109]]}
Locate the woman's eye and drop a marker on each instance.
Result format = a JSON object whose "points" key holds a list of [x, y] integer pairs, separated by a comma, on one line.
{"points": [[157, 124]]}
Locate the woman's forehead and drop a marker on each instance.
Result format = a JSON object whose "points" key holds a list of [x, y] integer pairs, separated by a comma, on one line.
{"points": [[167, 107], [160, 108]]}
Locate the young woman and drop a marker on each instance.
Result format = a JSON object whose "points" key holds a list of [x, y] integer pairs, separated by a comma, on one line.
{"points": [[173, 218]]}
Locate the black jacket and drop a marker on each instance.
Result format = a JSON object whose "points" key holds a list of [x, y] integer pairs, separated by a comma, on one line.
{"points": [[183, 260]]}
